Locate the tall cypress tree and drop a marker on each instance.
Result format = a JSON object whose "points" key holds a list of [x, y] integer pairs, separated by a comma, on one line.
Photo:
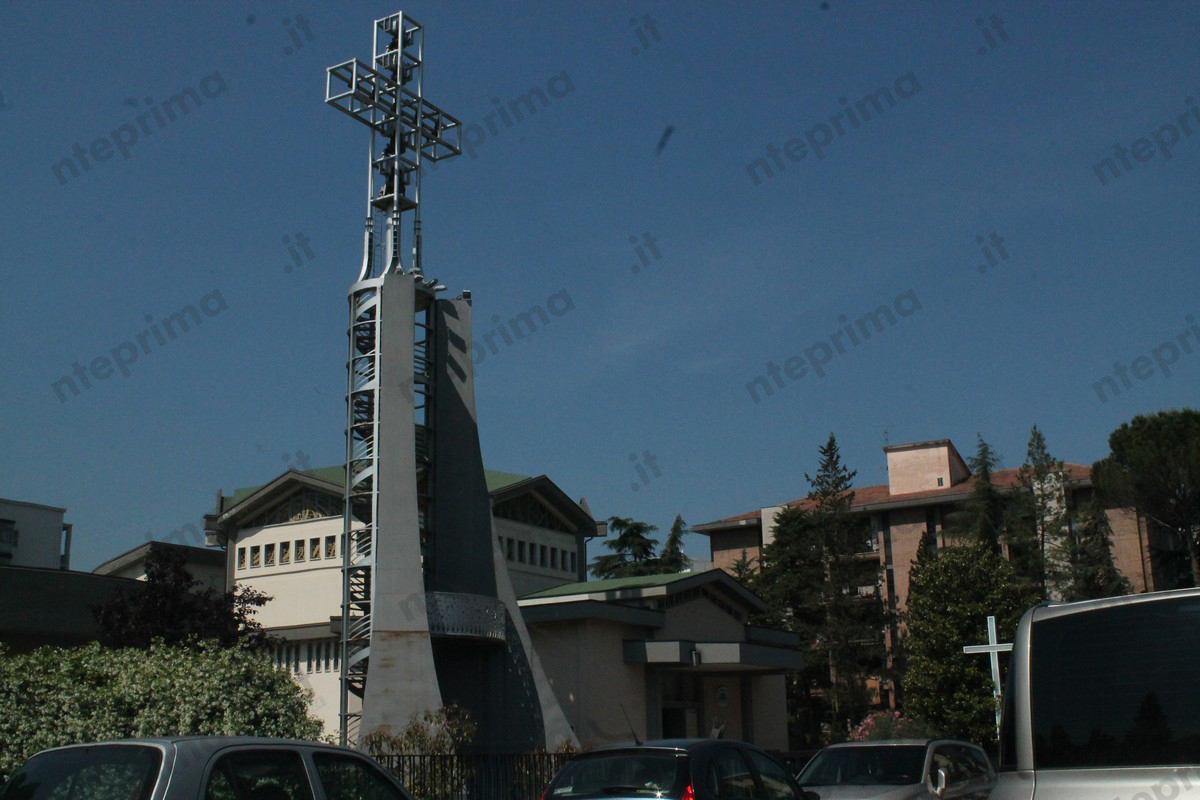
{"points": [[814, 582], [1091, 572], [983, 515], [672, 558], [1038, 530]]}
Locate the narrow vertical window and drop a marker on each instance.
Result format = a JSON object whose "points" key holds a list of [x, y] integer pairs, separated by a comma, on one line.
{"points": [[254, 558], [269, 555], [285, 552], [241, 558]]}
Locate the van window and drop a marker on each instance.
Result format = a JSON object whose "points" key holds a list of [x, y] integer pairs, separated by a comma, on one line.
{"points": [[1116, 687]]}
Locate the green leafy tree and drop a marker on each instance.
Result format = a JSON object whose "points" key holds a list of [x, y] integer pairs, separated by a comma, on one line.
{"points": [[672, 558], [950, 598], [632, 550], [170, 606], [813, 581], [1154, 466], [56, 696]]}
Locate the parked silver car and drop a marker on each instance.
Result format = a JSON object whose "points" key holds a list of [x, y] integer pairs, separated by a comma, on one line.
{"points": [[673, 769], [202, 768], [898, 769]]}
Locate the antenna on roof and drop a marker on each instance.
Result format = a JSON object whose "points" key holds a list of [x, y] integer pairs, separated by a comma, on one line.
{"points": [[887, 427], [636, 740], [886, 443]]}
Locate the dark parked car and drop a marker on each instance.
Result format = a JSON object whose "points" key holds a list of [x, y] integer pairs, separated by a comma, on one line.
{"points": [[202, 768], [678, 769], [899, 769]]}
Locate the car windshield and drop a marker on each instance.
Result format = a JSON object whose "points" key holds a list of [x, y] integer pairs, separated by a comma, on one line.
{"points": [[626, 772], [100, 772], [885, 765]]}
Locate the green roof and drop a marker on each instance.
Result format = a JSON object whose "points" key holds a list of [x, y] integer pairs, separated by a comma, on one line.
{"points": [[337, 474], [612, 585], [499, 480]]}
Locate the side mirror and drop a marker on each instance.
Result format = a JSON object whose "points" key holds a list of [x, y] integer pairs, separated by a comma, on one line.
{"points": [[943, 780]]}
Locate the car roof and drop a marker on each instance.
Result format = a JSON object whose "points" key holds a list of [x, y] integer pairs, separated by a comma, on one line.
{"points": [[687, 745], [1050, 610], [198, 745], [896, 742]]}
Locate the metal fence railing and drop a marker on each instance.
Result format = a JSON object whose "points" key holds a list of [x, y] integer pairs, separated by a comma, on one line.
{"points": [[519, 776]]}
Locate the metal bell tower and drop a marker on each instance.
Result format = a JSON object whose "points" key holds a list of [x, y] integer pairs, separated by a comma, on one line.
{"points": [[429, 616], [406, 130]]}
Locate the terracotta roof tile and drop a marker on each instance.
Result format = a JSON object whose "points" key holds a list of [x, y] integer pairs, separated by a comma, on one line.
{"points": [[873, 495]]}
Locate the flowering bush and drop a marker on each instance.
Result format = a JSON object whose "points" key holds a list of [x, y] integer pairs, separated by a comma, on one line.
{"points": [[890, 725], [55, 696]]}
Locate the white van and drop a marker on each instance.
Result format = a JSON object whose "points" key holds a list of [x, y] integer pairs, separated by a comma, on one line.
{"points": [[1103, 701]]}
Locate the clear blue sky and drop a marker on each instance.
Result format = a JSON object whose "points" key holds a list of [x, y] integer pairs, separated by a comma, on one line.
{"points": [[655, 360]]}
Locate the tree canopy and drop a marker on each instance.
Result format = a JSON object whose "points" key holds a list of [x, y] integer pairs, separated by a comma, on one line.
{"points": [[56, 696], [672, 558], [1154, 466], [170, 606], [816, 584], [950, 598], [633, 550], [984, 514], [1063, 551], [1087, 571]]}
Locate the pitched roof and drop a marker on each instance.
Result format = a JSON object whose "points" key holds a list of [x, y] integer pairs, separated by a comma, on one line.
{"points": [[336, 474], [642, 586], [610, 585], [199, 555], [869, 498], [245, 502]]}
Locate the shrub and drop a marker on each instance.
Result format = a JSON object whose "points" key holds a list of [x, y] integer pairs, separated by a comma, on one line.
{"points": [[891, 725], [55, 696]]}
